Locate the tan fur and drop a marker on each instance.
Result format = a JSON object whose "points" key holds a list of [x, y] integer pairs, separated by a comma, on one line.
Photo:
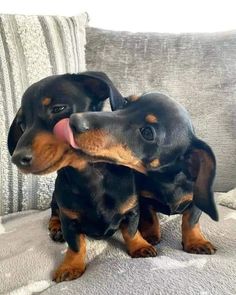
{"points": [[193, 239], [147, 194], [136, 245], [133, 97], [155, 163], [128, 205], [51, 154], [151, 118], [100, 144], [186, 198], [46, 101], [54, 223], [73, 265], [69, 213]]}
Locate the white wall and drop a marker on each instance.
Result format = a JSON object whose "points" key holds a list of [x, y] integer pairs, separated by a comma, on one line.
{"points": [[138, 15]]}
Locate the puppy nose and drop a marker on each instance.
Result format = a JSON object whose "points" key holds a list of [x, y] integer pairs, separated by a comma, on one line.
{"points": [[22, 158], [26, 160], [78, 123]]}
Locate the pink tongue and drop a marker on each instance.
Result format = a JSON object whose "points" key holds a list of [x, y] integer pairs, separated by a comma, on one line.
{"points": [[63, 132]]}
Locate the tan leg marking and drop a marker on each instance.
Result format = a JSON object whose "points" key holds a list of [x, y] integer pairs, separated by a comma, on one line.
{"points": [[54, 227], [54, 223], [73, 265], [137, 246], [193, 239]]}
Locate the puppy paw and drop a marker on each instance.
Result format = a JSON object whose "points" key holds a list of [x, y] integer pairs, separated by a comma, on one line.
{"points": [[55, 231], [67, 273], [146, 251], [57, 236], [200, 247]]}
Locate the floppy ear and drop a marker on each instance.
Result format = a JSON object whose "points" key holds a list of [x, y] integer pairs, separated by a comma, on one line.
{"points": [[201, 165], [14, 134], [100, 87]]}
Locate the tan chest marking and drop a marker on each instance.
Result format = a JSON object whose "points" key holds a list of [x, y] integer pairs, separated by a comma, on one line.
{"points": [[70, 213]]}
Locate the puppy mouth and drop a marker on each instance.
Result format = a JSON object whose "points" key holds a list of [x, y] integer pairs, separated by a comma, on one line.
{"points": [[102, 148], [51, 168], [99, 146]]}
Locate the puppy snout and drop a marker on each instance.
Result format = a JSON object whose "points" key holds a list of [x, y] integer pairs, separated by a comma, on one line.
{"points": [[78, 123], [22, 158]]}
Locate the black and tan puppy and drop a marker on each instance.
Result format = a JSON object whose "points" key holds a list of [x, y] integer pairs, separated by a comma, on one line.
{"points": [[89, 199], [155, 134]]}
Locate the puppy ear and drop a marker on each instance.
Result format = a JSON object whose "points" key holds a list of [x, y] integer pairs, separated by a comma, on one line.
{"points": [[100, 87], [201, 165], [14, 134]]}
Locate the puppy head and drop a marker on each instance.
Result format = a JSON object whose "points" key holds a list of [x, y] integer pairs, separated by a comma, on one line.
{"points": [[151, 130], [31, 142], [149, 134]]}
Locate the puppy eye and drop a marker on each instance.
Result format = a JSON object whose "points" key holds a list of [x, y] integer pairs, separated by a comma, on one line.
{"points": [[148, 133], [58, 108]]}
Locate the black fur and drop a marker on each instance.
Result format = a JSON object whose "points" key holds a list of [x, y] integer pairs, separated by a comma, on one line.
{"points": [[97, 192], [186, 164]]}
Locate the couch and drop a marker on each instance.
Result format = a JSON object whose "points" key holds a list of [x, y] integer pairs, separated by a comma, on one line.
{"points": [[199, 70]]}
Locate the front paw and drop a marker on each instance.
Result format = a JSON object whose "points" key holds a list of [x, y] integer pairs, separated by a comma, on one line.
{"points": [[57, 235], [67, 273], [199, 247], [55, 231], [145, 251]]}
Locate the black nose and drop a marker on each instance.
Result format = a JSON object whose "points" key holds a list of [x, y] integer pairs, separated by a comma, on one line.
{"points": [[78, 123], [22, 158]]}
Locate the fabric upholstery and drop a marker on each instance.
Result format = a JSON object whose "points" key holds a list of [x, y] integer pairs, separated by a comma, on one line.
{"points": [[199, 70], [31, 48], [109, 268]]}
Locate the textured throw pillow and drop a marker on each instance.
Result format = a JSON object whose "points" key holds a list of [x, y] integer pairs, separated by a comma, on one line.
{"points": [[228, 199], [31, 48], [199, 70]]}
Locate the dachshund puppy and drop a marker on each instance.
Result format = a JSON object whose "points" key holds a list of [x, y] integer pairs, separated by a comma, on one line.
{"points": [[89, 199], [154, 135]]}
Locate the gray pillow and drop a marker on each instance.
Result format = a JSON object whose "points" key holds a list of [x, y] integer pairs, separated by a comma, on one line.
{"points": [[199, 70], [31, 48]]}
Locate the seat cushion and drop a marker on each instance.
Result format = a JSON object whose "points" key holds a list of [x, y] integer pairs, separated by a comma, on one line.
{"points": [[199, 70], [28, 258], [31, 48]]}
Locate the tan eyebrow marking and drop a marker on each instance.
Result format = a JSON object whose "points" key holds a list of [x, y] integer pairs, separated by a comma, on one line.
{"points": [[151, 118], [46, 101]]}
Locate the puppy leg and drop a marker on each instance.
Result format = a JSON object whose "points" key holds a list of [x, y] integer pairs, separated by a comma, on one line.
{"points": [[193, 240], [73, 265], [136, 245], [149, 225], [54, 224]]}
